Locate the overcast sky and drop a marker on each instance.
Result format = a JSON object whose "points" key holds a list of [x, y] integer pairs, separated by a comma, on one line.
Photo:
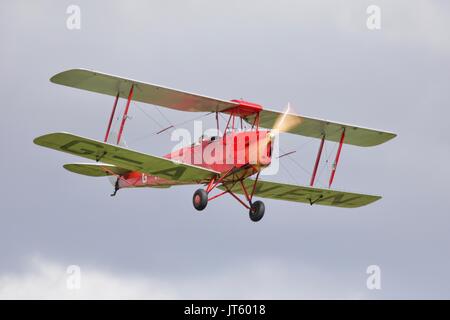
{"points": [[319, 56]]}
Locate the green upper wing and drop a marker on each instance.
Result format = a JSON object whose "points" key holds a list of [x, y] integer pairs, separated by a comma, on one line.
{"points": [[288, 192], [108, 84], [316, 128], [125, 158]]}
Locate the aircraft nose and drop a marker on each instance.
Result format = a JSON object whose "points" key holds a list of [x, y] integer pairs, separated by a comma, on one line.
{"points": [[271, 135], [270, 145], [266, 154]]}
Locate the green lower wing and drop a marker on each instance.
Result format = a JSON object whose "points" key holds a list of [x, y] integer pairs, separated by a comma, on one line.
{"points": [[288, 192], [125, 158]]}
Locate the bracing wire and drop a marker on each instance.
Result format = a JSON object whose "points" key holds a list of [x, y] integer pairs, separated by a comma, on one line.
{"points": [[325, 163], [148, 135], [163, 115], [289, 173], [149, 116]]}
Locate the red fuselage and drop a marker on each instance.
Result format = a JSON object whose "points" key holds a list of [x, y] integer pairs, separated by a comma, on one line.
{"points": [[246, 152]]}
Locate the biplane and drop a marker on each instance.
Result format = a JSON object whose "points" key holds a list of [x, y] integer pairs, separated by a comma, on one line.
{"points": [[234, 160]]}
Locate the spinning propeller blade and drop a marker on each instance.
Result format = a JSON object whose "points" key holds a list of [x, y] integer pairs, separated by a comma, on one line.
{"points": [[285, 122]]}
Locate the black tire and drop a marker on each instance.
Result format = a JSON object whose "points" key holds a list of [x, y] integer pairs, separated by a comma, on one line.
{"points": [[200, 199], [256, 211]]}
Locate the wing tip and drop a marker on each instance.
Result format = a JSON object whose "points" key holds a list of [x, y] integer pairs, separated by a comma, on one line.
{"points": [[59, 77], [375, 198], [40, 141], [388, 136]]}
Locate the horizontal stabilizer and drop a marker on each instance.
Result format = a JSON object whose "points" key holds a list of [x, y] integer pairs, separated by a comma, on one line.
{"points": [[288, 192], [95, 169]]}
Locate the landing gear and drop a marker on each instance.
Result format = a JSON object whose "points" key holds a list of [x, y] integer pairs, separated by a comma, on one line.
{"points": [[256, 211], [200, 199]]}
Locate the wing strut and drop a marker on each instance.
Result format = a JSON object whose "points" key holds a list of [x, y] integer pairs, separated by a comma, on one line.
{"points": [[125, 113], [316, 165], [217, 121], [112, 117], [248, 196], [338, 154]]}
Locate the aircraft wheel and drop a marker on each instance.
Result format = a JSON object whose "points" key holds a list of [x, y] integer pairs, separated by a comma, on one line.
{"points": [[257, 211], [200, 199]]}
